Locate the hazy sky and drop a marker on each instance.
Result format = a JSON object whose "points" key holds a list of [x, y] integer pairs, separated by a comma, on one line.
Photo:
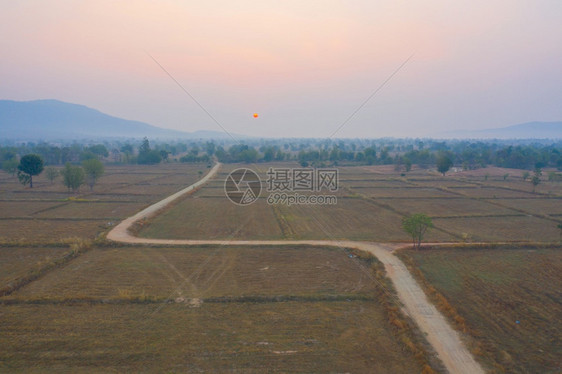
{"points": [[304, 66]]}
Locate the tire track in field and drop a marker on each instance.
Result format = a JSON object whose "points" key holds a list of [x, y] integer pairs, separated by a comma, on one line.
{"points": [[438, 332]]}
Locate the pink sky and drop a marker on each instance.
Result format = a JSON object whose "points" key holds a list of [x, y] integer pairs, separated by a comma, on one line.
{"points": [[305, 66]]}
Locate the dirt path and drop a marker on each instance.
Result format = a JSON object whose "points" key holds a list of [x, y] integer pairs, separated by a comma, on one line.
{"points": [[444, 339]]}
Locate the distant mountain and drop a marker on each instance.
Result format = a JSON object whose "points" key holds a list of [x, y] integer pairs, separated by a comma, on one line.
{"points": [[57, 120], [529, 130]]}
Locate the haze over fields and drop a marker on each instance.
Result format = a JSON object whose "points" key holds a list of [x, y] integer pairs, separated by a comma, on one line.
{"points": [[56, 120], [305, 67]]}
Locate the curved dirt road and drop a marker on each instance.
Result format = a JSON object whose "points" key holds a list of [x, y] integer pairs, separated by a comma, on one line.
{"points": [[443, 338]]}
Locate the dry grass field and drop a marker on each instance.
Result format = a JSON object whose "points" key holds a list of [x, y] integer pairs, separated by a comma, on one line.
{"points": [[284, 309], [371, 203], [49, 213], [214, 309], [18, 262], [113, 273], [510, 300]]}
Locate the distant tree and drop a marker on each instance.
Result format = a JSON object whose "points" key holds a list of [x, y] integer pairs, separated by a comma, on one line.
{"points": [[145, 146], [536, 179], [29, 166], [149, 158], [93, 170], [505, 176], [407, 163], [443, 163], [164, 154], [370, 155], [147, 155], [560, 228], [10, 166], [51, 173], [526, 175], [87, 155], [116, 155], [248, 155], [416, 225], [269, 154], [73, 177], [99, 150], [128, 150]]}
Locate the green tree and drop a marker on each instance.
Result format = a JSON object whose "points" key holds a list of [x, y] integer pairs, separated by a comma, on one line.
{"points": [[536, 179], [93, 169], [145, 146], [147, 155], [99, 150], [29, 166], [526, 175], [443, 163], [407, 163], [10, 166], [560, 227], [51, 173], [416, 225], [73, 177], [128, 150]]}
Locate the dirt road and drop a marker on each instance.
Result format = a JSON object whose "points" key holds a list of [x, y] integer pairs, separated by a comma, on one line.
{"points": [[444, 339]]}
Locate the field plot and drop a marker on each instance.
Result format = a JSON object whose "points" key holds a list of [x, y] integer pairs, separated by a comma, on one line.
{"points": [[24, 208], [440, 182], [400, 193], [213, 272], [500, 229], [286, 309], [18, 262], [49, 213], [511, 300], [549, 188], [317, 337], [215, 218], [446, 207], [372, 183], [50, 230], [370, 207], [91, 209], [544, 206], [493, 192], [353, 219]]}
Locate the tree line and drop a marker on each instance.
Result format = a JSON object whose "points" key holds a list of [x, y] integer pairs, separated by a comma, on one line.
{"points": [[402, 153]]}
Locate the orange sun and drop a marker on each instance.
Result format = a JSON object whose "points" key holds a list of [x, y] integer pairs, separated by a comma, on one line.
{"points": [[255, 115]]}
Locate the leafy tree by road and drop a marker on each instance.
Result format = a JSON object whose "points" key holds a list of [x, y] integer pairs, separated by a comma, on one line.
{"points": [[93, 168], [416, 225], [29, 166], [73, 177]]}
